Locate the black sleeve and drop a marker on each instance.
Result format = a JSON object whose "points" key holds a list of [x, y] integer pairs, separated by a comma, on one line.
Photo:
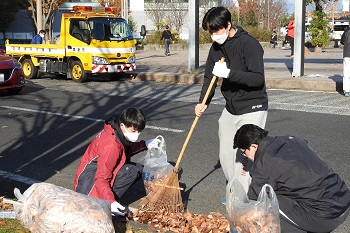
{"points": [[211, 59]]}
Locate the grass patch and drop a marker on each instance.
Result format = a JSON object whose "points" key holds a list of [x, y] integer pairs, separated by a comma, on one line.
{"points": [[11, 226]]}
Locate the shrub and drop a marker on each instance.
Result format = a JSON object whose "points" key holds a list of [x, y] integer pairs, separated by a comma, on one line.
{"points": [[262, 35], [318, 28], [155, 37]]}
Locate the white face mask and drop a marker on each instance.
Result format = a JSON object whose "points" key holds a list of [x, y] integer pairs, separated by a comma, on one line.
{"points": [[132, 137], [220, 39]]}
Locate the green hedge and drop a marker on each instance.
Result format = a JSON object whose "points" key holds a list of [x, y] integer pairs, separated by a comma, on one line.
{"points": [[204, 37]]}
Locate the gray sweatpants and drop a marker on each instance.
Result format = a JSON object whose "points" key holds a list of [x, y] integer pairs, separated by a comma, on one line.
{"points": [[232, 161]]}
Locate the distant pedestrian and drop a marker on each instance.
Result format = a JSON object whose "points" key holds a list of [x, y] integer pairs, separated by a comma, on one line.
{"points": [[38, 39], [167, 36], [285, 41], [345, 40], [290, 34], [273, 39]]}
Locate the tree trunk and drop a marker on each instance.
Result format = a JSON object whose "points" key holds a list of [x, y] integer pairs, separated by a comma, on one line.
{"points": [[318, 49]]}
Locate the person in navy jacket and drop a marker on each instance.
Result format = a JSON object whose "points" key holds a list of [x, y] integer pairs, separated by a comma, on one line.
{"points": [[311, 196], [38, 39]]}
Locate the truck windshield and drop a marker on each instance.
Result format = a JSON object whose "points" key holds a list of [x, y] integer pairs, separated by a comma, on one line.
{"points": [[110, 29]]}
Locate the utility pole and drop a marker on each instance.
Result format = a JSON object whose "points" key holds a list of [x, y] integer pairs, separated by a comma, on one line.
{"points": [[124, 9], [193, 35], [299, 39], [39, 15]]}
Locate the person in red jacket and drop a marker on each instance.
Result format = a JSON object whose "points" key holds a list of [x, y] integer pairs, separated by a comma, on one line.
{"points": [[105, 170], [290, 35]]}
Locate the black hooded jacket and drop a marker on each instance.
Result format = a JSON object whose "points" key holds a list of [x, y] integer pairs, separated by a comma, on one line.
{"points": [[294, 170], [345, 40], [244, 90]]}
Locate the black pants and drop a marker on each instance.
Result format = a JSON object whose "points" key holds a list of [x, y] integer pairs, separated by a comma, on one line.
{"points": [[295, 219], [126, 176], [291, 43]]}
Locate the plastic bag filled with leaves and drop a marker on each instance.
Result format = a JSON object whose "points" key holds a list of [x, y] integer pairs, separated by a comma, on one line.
{"points": [[248, 216], [46, 208]]}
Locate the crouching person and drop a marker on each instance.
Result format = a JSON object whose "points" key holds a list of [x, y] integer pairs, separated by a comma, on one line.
{"points": [[311, 196], [105, 170]]}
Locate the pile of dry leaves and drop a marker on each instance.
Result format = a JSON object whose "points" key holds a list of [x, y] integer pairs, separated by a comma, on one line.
{"points": [[5, 206], [183, 222]]}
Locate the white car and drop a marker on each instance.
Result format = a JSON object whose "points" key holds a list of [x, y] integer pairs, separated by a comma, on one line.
{"points": [[338, 29]]}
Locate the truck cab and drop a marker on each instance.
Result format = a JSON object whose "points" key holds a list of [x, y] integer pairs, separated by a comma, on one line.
{"points": [[91, 42]]}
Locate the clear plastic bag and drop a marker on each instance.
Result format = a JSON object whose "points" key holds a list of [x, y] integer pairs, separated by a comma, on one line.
{"points": [[156, 165], [46, 208], [248, 216]]}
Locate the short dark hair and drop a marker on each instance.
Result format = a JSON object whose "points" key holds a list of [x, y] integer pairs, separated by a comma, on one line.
{"points": [[166, 27], [133, 117], [216, 18], [129, 117], [42, 31], [247, 135]]}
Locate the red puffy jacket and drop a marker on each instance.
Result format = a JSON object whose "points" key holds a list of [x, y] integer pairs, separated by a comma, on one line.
{"points": [[100, 164], [290, 27]]}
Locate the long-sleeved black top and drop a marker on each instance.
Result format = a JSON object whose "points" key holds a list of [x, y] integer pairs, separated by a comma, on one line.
{"points": [[244, 90]]}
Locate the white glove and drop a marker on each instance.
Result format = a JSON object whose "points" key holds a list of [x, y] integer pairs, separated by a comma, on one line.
{"points": [[152, 143], [117, 209], [220, 69]]}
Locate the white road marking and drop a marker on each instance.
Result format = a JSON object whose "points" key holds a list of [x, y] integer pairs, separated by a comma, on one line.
{"points": [[87, 118], [19, 178]]}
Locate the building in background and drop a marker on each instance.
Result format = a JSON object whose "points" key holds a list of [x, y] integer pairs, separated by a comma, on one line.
{"points": [[170, 11]]}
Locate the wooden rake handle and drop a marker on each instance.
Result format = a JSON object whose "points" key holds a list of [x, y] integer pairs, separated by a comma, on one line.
{"points": [[177, 165]]}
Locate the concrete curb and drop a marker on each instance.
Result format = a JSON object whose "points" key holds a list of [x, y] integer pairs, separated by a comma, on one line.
{"points": [[297, 83], [305, 84]]}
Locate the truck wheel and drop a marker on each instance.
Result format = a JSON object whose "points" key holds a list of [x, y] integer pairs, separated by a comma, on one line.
{"points": [[29, 70], [77, 72]]}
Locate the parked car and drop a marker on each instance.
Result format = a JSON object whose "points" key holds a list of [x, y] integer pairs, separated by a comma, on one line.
{"points": [[338, 29], [11, 74]]}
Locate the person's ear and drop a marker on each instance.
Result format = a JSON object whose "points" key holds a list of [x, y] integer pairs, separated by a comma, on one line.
{"points": [[254, 146], [121, 127]]}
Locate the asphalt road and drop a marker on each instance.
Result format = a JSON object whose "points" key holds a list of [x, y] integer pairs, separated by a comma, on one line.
{"points": [[46, 129]]}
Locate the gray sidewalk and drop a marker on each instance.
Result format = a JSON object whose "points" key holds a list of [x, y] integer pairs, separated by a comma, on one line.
{"points": [[322, 71]]}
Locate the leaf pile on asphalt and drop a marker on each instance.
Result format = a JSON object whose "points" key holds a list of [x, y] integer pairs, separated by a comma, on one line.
{"points": [[186, 222], [5, 206]]}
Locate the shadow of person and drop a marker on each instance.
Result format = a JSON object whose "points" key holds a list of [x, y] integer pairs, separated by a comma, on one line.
{"points": [[119, 224], [186, 194], [134, 193]]}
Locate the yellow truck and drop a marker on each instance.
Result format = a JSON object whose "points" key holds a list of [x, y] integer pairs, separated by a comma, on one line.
{"points": [[91, 42]]}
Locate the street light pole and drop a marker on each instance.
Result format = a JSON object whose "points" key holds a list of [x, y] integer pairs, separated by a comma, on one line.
{"points": [[193, 35], [39, 15]]}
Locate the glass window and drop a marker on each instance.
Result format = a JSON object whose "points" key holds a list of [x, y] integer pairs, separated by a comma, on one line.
{"points": [[115, 29]]}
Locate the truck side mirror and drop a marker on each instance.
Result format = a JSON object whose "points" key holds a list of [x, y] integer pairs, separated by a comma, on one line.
{"points": [[143, 31]]}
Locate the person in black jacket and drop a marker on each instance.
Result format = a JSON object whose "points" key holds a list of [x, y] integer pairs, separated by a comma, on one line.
{"points": [[311, 196], [273, 39], [167, 36], [243, 86]]}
